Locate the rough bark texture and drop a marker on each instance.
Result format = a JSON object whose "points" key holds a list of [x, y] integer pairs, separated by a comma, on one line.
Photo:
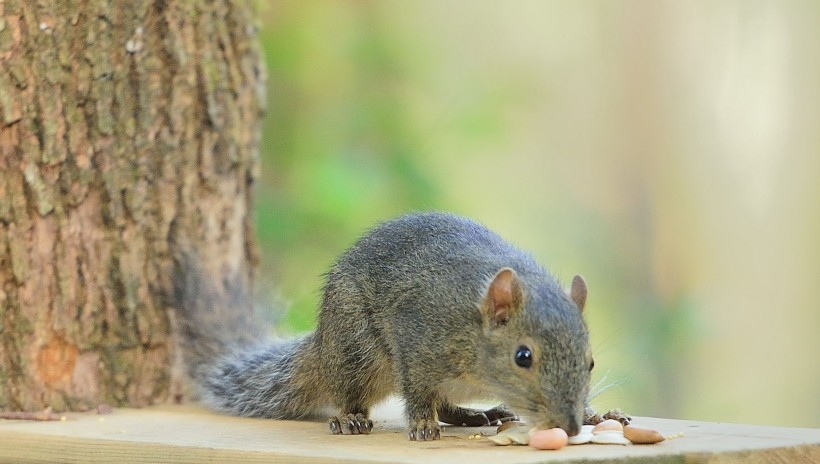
{"points": [[126, 129]]}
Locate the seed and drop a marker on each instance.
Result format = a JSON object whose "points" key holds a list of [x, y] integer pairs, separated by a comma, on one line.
{"points": [[641, 436], [508, 425], [609, 425], [585, 436], [610, 438], [511, 436], [550, 439]]}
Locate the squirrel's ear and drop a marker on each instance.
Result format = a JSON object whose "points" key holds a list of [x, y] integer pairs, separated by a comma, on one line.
{"points": [[504, 296], [578, 292]]}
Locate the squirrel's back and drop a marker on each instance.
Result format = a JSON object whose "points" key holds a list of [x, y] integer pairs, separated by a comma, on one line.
{"points": [[431, 256]]}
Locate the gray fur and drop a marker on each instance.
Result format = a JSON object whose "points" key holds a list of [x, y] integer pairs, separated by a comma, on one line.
{"points": [[402, 312]]}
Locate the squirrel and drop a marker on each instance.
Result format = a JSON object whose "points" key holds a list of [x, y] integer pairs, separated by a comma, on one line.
{"points": [[432, 306]]}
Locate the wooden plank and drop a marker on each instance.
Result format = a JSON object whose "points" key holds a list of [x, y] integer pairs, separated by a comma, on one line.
{"points": [[175, 434]]}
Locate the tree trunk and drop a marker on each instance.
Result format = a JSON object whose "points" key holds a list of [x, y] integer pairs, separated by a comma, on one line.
{"points": [[127, 128]]}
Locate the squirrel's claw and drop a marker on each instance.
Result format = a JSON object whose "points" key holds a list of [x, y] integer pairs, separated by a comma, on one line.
{"points": [[424, 430], [333, 425], [350, 424]]}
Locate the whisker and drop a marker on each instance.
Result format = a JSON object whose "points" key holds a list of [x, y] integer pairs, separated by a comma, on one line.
{"points": [[600, 386]]}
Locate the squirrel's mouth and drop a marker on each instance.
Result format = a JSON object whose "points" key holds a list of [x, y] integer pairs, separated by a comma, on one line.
{"points": [[547, 418], [571, 427]]}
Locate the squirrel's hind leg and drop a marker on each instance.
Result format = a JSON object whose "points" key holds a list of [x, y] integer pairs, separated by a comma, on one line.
{"points": [[355, 394], [350, 424], [354, 419], [469, 417], [422, 422]]}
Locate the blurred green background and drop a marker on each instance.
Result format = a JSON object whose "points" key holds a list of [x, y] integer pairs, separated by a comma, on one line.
{"points": [[668, 151]]}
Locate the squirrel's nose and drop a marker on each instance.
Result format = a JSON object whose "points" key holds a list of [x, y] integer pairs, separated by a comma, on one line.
{"points": [[572, 428], [572, 424]]}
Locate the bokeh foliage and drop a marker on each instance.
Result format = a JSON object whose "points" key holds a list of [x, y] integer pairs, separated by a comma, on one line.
{"points": [[341, 149], [665, 150]]}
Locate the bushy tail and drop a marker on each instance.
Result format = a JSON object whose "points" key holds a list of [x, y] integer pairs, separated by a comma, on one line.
{"points": [[234, 367], [275, 380], [214, 315]]}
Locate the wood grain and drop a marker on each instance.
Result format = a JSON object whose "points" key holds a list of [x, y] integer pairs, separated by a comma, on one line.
{"points": [[176, 434]]}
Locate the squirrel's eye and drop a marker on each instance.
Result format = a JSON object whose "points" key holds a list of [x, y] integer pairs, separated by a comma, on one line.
{"points": [[523, 357], [591, 364]]}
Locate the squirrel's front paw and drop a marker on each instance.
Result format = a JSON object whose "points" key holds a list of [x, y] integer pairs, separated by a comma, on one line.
{"points": [[593, 418], [424, 430], [619, 416], [500, 414], [350, 424]]}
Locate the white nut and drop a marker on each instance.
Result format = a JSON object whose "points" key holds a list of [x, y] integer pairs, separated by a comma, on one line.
{"points": [[512, 436], [584, 436], [609, 425], [610, 438], [500, 439]]}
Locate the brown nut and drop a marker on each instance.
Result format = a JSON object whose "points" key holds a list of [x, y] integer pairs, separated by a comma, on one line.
{"points": [[641, 436]]}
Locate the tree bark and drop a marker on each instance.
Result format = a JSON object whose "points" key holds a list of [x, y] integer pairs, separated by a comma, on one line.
{"points": [[127, 128]]}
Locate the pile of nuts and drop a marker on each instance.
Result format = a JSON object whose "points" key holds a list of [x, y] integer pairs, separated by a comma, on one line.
{"points": [[608, 432]]}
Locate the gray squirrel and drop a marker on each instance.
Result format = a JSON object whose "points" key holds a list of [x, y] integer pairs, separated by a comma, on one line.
{"points": [[431, 306]]}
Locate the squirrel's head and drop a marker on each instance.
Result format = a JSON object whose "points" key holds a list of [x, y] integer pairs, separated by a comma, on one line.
{"points": [[537, 348]]}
